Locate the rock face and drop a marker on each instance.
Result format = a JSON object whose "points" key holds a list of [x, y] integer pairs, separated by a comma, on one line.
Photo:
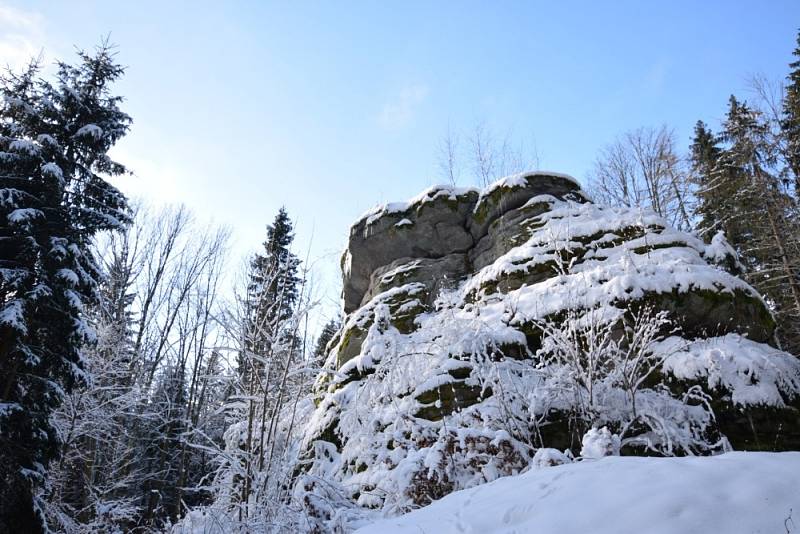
{"points": [[443, 375], [454, 231]]}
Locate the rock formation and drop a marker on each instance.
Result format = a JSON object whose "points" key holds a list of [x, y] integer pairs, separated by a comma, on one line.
{"points": [[440, 377]]}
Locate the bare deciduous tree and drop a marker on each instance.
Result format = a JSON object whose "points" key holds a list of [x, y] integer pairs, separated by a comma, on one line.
{"points": [[128, 451], [642, 168], [487, 156]]}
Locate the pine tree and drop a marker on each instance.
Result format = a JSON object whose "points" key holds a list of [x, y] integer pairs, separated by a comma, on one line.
{"points": [[705, 152], [273, 288], [54, 142], [328, 331], [741, 193], [790, 123]]}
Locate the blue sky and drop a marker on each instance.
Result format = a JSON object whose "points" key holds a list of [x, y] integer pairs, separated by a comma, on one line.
{"points": [[330, 107]]}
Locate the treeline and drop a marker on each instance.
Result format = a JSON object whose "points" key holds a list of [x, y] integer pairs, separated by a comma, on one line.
{"points": [[740, 183], [135, 383]]}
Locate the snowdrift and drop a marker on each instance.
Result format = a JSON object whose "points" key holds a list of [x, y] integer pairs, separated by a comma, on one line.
{"points": [[737, 492]]}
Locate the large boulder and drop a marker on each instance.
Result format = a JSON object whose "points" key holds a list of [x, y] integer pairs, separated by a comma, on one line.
{"points": [[442, 221], [440, 377], [431, 225]]}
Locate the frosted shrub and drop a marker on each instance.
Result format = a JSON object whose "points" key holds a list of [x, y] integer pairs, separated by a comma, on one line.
{"points": [[605, 370]]}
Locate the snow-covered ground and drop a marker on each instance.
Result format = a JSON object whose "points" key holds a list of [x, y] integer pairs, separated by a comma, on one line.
{"points": [[737, 492]]}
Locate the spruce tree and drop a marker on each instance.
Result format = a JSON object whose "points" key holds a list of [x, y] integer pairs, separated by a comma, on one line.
{"points": [[328, 331], [275, 271], [705, 152], [272, 288], [790, 123], [54, 142], [741, 193]]}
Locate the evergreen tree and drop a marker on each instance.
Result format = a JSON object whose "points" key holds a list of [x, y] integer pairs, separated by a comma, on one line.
{"points": [[705, 153], [54, 142], [275, 272], [790, 123], [741, 193], [328, 331], [272, 289]]}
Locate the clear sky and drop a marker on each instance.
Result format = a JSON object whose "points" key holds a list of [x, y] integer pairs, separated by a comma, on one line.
{"points": [[330, 107]]}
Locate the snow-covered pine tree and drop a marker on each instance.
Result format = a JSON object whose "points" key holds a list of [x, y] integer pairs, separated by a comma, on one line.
{"points": [[710, 210], [272, 289], [790, 123], [741, 193], [771, 240], [328, 331], [54, 142]]}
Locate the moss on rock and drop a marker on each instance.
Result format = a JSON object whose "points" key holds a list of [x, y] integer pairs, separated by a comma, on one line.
{"points": [[447, 398], [703, 313]]}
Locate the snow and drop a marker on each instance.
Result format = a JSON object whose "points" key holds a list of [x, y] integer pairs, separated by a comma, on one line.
{"points": [[47, 139], [404, 222], [737, 492], [429, 195], [90, 130], [51, 169], [24, 146], [520, 180], [69, 276], [22, 215], [754, 373], [451, 192], [598, 443], [603, 273], [13, 315], [546, 457], [9, 196]]}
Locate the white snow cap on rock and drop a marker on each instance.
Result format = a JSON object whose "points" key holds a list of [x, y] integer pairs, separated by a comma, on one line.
{"points": [[546, 457], [519, 180], [452, 192], [599, 442]]}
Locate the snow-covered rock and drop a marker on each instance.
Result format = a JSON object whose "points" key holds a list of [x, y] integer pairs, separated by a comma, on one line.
{"points": [[448, 373], [599, 443]]}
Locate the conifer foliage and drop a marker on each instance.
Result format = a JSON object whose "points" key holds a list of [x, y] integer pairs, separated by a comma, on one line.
{"points": [[790, 123], [54, 197], [743, 192], [272, 288], [327, 334]]}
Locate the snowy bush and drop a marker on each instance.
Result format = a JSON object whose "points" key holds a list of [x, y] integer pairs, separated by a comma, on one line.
{"points": [[604, 369], [598, 443]]}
